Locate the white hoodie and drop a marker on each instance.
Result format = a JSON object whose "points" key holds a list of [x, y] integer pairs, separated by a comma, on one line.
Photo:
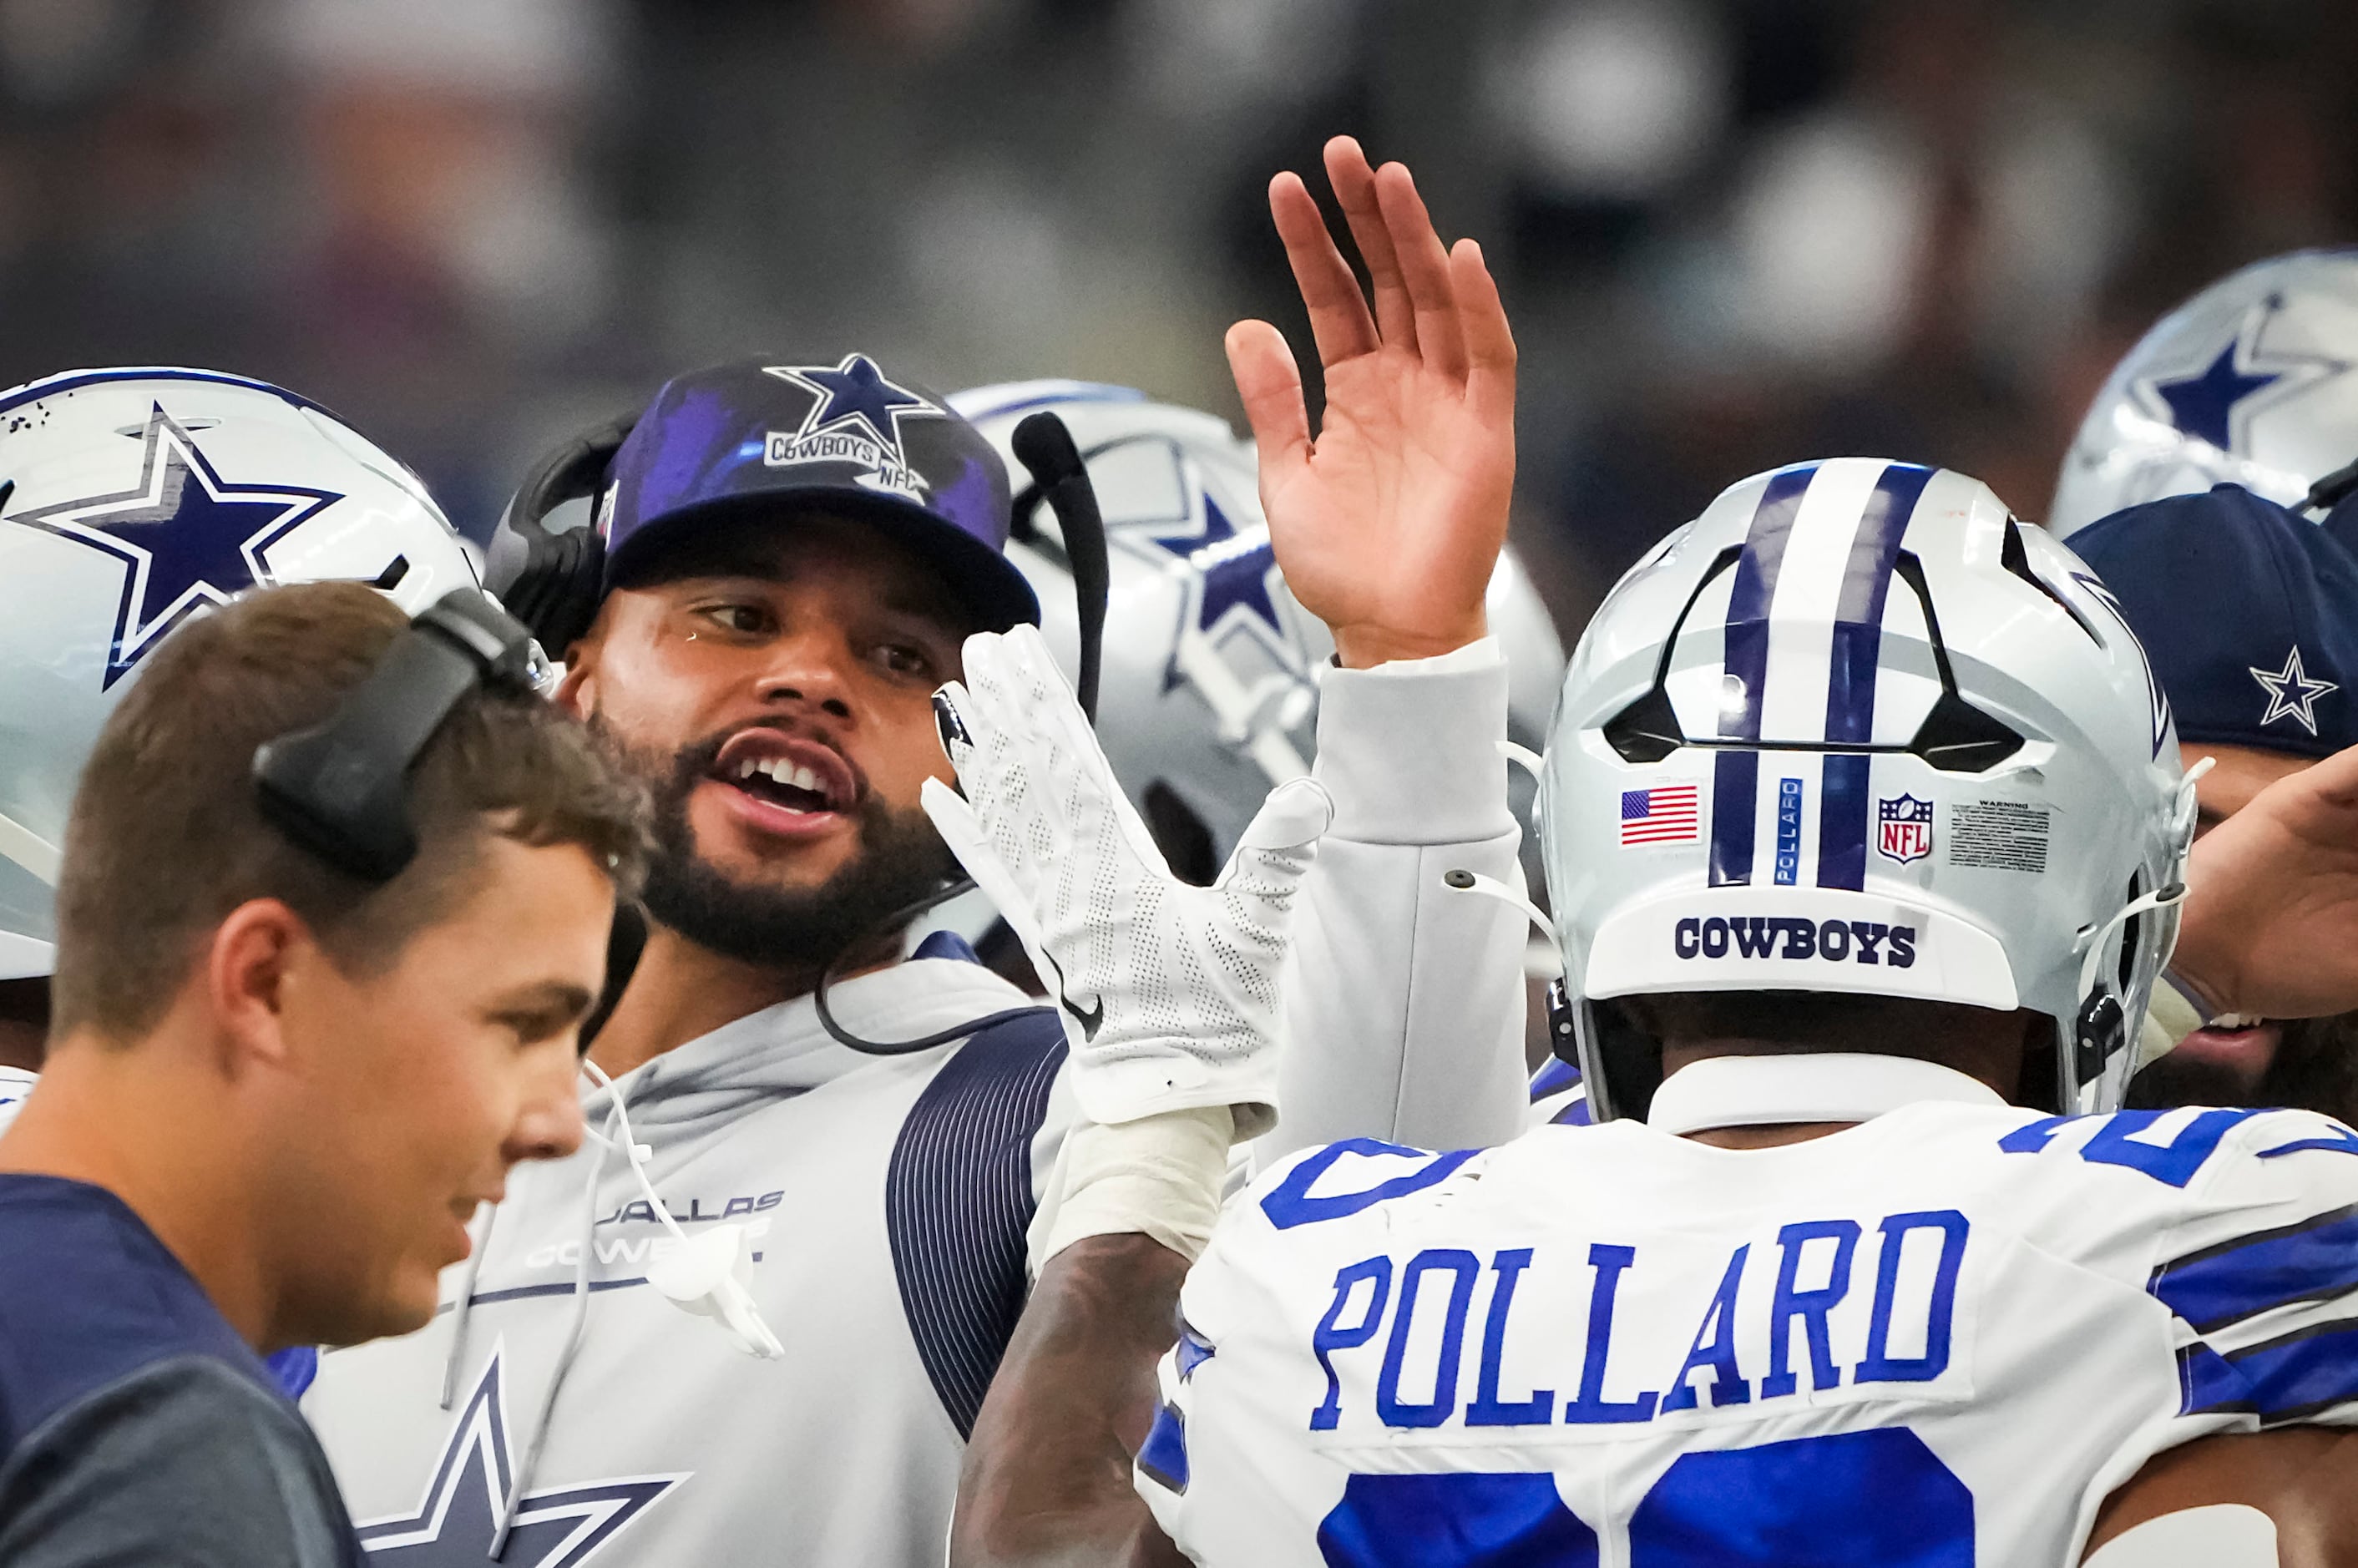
{"points": [[885, 1201]]}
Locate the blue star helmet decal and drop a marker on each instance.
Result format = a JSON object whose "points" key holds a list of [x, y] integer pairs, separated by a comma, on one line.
{"points": [[556, 1527], [2207, 404], [187, 537], [855, 416], [2293, 692], [1235, 569]]}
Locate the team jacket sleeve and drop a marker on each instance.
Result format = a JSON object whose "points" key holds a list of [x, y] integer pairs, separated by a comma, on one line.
{"points": [[185, 1463], [1404, 1011], [2261, 1274]]}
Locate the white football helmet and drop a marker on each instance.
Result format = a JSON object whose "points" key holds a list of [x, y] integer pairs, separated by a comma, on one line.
{"points": [[1208, 695], [130, 500], [2250, 382], [1855, 728]]}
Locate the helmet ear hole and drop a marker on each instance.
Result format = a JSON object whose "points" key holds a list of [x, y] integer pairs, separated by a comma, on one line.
{"points": [[1181, 835]]}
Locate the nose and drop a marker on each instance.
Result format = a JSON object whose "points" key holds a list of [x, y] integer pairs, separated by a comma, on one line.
{"points": [[809, 671], [548, 1123]]}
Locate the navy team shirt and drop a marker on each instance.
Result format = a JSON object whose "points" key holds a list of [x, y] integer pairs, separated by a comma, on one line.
{"points": [[135, 1426]]}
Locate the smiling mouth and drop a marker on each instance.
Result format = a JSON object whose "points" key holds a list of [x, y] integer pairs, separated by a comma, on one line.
{"points": [[787, 771]]}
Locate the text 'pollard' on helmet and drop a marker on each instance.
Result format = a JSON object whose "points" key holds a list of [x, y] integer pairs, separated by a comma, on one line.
{"points": [[1857, 729], [1208, 692], [130, 500], [2253, 381]]}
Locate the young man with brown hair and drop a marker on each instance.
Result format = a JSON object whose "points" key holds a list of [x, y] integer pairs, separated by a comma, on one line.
{"points": [[276, 1089]]}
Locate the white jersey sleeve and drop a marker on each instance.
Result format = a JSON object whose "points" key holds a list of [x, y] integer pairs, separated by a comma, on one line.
{"points": [[1403, 1012], [1942, 1336]]}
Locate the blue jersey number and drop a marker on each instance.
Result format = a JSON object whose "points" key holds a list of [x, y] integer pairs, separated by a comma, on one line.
{"points": [[1848, 1499]]}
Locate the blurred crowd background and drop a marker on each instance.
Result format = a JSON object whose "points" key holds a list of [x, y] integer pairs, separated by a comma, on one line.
{"points": [[1731, 232]]}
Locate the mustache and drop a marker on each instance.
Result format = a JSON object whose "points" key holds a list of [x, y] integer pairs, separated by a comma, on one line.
{"points": [[697, 759]]}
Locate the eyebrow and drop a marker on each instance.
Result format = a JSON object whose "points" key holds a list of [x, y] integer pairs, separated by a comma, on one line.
{"points": [[546, 999]]}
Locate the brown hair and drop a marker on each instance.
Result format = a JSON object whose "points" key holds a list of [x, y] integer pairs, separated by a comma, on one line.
{"points": [[167, 836]]}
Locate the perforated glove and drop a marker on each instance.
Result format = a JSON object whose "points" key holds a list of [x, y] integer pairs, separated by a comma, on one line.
{"points": [[1168, 991]]}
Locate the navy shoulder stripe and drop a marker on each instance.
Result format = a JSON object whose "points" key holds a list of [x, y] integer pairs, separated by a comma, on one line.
{"points": [[1555, 1076], [957, 1201], [2283, 1380], [2313, 1261]]}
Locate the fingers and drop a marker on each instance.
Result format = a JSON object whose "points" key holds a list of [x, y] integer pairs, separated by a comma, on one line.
{"points": [[1269, 383], [1339, 322], [1424, 267], [1489, 344], [1355, 189], [1297, 812]]}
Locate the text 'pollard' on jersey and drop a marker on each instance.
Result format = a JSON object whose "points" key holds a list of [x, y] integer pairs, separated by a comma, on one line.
{"points": [[1942, 1337]]}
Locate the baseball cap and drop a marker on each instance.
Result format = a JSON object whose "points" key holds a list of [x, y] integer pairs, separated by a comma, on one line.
{"points": [[2247, 611], [779, 434]]}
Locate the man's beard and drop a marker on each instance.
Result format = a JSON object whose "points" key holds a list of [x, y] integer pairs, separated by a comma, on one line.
{"points": [[2315, 1068], [901, 860]]}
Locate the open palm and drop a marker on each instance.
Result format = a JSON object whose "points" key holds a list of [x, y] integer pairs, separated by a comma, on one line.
{"points": [[2271, 919], [1386, 524]]}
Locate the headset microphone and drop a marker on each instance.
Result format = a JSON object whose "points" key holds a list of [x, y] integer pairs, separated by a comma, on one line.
{"points": [[1060, 477]]}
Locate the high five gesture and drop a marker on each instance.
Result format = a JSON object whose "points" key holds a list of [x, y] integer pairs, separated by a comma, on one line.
{"points": [[1389, 521]]}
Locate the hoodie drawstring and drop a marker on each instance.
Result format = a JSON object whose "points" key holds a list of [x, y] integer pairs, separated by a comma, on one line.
{"points": [[530, 1462], [465, 1308]]}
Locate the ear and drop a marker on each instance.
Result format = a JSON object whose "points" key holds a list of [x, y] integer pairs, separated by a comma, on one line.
{"points": [[261, 951], [576, 692]]}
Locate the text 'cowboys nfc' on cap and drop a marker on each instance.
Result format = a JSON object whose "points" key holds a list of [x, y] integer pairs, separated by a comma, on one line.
{"points": [[2249, 613], [841, 436]]}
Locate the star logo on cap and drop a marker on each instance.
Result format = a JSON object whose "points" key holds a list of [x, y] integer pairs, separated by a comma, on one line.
{"points": [[2205, 403], [855, 392], [457, 1520], [187, 537], [2292, 691]]}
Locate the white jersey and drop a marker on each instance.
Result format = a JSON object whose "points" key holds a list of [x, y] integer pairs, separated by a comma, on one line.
{"points": [[1944, 1335]]}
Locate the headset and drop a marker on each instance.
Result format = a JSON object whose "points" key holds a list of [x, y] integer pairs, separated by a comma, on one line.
{"points": [[554, 582], [339, 788]]}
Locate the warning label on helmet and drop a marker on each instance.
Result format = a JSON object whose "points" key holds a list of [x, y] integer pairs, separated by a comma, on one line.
{"points": [[1998, 835]]}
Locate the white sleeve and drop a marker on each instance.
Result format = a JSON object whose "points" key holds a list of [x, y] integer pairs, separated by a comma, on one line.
{"points": [[1404, 1010]]}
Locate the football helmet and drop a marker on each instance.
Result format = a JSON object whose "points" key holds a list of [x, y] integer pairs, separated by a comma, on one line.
{"points": [[1857, 729], [1210, 693], [131, 500], [2251, 380]]}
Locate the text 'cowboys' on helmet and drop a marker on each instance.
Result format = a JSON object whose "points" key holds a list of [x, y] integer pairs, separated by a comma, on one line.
{"points": [[2248, 381], [131, 500], [1857, 729], [1210, 687]]}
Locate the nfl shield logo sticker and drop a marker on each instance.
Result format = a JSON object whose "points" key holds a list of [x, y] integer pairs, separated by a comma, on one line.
{"points": [[1903, 830]]}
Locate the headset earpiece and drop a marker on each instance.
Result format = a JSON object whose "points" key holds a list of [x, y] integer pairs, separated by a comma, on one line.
{"points": [[552, 581]]}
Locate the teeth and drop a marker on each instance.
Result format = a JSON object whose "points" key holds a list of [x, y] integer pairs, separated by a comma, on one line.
{"points": [[2237, 1021], [804, 779], [746, 769], [777, 768]]}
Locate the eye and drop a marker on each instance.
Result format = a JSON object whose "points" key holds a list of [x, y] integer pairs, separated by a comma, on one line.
{"points": [[904, 659], [741, 618]]}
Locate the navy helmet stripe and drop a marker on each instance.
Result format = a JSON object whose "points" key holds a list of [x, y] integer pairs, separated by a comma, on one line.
{"points": [[1842, 821], [1858, 615], [2315, 1261], [1746, 656], [1735, 796]]}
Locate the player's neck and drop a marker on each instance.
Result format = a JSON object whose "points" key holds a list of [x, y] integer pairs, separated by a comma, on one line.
{"points": [[147, 1123], [681, 991]]}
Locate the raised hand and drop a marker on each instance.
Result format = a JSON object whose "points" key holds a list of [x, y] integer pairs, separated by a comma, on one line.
{"points": [[1386, 524], [2271, 914]]}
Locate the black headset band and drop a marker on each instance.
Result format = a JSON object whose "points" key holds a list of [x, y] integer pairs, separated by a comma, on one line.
{"points": [[339, 788]]}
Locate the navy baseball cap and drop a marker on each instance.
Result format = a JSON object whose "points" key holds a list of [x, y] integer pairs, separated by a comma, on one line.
{"points": [[778, 436], [2248, 612]]}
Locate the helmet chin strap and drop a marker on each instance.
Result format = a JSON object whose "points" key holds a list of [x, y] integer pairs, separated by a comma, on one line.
{"points": [[29, 849]]}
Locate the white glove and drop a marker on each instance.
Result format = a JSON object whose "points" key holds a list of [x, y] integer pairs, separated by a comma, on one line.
{"points": [[1168, 991]]}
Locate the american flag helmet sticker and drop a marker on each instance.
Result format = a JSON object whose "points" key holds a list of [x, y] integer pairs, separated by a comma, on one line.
{"points": [[1667, 814]]}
